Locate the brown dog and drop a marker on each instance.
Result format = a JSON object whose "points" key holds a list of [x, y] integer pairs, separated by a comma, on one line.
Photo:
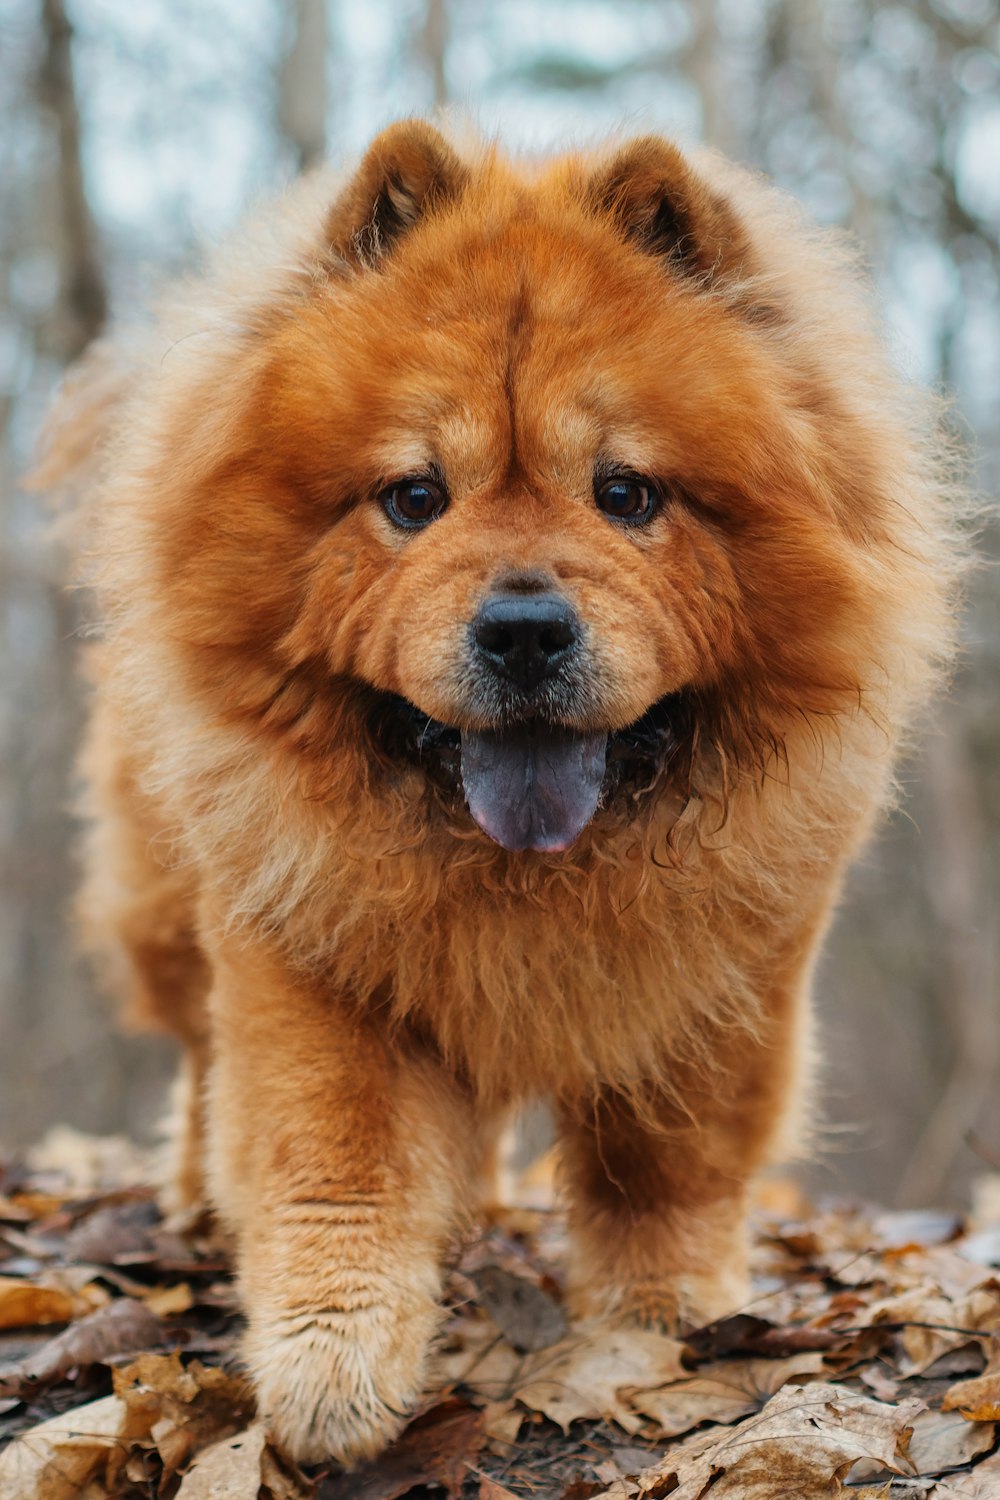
{"points": [[516, 582]]}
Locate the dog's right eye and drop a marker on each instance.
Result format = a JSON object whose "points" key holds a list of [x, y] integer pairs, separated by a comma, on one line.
{"points": [[413, 502]]}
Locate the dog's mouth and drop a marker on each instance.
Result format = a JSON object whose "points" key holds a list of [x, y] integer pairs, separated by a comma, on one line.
{"points": [[535, 785]]}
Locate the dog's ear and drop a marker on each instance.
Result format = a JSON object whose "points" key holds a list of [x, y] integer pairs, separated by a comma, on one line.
{"points": [[661, 205], [407, 171]]}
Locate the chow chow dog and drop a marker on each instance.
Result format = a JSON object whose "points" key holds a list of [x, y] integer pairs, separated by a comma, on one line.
{"points": [[515, 579]]}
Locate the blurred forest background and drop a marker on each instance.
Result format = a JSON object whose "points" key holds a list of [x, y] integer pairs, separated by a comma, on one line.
{"points": [[131, 132]]}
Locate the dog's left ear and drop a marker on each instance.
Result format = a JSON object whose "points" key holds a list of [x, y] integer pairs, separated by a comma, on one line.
{"points": [[661, 205], [407, 171]]}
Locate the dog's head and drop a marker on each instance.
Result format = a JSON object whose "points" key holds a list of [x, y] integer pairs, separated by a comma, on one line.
{"points": [[524, 476]]}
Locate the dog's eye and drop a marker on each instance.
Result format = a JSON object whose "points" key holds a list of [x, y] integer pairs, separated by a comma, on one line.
{"points": [[413, 502], [626, 497]]}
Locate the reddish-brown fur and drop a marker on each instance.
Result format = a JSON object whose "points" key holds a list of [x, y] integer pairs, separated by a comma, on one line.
{"points": [[381, 979]]}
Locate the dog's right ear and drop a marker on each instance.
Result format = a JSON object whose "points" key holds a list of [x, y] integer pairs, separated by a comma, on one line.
{"points": [[407, 171]]}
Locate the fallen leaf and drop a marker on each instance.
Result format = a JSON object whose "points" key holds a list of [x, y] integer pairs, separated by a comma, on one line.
{"points": [[502, 1422], [584, 1376], [24, 1304], [944, 1440], [168, 1301], [185, 1408], [978, 1400], [242, 1467], [878, 1382], [805, 1439], [58, 1458], [121, 1328], [745, 1334], [931, 1324], [227, 1470], [721, 1392], [119, 1234], [437, 1449], [525, 1314], [981, 1483]]}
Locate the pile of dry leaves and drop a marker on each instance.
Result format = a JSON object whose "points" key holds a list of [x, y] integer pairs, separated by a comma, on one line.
{"points": [[868, 1364]]}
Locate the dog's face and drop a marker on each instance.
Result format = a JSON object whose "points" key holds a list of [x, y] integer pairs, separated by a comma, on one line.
{"points": [[533, 485]]}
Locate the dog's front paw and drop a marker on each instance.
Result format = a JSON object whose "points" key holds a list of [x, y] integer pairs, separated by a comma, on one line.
{"points": [[340, 1385]]}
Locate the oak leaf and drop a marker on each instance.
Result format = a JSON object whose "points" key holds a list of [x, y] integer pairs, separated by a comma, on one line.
{"points": [[721, 1392]]}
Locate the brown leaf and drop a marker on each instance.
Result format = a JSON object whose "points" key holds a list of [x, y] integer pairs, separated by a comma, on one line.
{"points": [[24, 1304], [241, 1467], [525, 1314], [721, 1392], [184, 1408], [168, 1301], [124, 1326], [502, 1422], [119, 1234], [944, 1440], [227, 1470], [932, 1325], [436, 1449], [587, 1375], [804, 1440], [58, 1458], [745, 1334], [978, 1400], [982, 1483]]}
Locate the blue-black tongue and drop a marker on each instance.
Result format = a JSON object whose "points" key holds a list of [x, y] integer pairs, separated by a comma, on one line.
{"points": [[534, 787]]}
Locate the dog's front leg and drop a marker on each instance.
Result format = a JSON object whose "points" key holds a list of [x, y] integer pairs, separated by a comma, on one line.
{"points": [[341, 1158], [658, 1180]]}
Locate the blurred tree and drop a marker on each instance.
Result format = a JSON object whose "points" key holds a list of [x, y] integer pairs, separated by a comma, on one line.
{"points": [[80, 307], [433, 45], [302, 90]]}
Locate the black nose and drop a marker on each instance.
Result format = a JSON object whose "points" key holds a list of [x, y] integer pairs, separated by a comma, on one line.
{"points": [[525, 637]]}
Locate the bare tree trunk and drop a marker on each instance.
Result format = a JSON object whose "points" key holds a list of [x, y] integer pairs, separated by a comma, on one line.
{"points": [[704, 67], [433, 46], [953, 885], [82, 304], [302, 86]]}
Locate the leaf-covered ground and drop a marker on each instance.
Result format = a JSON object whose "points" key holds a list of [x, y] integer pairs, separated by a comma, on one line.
{"points": [[868, 1363]]}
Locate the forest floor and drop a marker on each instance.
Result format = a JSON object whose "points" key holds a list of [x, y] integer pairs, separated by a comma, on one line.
{"points": [[868, 1363]]}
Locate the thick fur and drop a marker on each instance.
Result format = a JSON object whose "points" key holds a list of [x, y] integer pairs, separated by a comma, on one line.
{"points": [[361, 979]]}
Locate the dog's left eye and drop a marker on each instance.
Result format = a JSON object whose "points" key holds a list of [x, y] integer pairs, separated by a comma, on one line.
{"points": [[626, 497], [413, 502]]}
